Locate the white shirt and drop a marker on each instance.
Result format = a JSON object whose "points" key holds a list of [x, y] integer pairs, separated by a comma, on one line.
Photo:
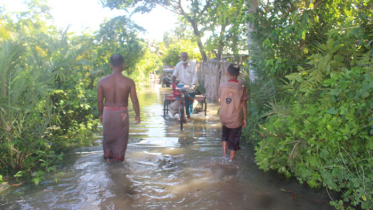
{"points": [[188, 75]]}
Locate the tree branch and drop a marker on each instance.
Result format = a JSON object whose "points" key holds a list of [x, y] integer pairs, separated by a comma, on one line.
{"points": [[176, 12], [182, 10], [206, 6]]}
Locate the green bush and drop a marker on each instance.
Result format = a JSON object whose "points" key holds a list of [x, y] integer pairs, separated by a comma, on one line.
{"points": [[327, 142], [41, 115], [311, 108]]}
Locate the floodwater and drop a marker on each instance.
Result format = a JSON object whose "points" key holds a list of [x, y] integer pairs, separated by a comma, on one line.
{"points": [[165, 168]]}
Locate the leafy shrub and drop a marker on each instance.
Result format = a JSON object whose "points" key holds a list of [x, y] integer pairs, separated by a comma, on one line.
{"points": [[327, 142], [36, 124], [317, 124]]}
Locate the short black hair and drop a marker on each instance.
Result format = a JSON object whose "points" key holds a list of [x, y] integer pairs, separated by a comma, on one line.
{"points": [[116, 60], [233, 69]]}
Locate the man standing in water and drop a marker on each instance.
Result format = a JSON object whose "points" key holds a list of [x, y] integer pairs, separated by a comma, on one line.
{"points": [[186, 71], [115, 89]]}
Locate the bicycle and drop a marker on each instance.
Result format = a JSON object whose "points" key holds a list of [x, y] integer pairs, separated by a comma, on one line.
{"points": [[182, 92]]}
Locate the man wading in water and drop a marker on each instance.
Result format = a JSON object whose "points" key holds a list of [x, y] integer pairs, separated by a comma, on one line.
{"points": [[115, 89]]}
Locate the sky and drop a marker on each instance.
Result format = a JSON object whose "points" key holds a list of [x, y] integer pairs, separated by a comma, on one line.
{"points": [[82, 14]]}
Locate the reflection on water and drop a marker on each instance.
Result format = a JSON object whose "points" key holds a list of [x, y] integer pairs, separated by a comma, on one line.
{"points": [[165, 169]]}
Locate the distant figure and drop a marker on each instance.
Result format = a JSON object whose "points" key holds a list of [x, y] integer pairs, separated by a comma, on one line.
{"points": [[115, 89], [186, 71], [167, 80], [233, 97]]}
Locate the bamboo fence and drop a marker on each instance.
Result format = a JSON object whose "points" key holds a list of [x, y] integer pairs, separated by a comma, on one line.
{"points": [[210, 75]]}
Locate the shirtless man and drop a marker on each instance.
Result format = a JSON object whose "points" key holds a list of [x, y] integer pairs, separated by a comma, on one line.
{"points": [[115, 89]]}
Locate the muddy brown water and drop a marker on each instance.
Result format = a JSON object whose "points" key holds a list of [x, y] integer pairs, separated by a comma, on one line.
{"points": [[165, 169]]}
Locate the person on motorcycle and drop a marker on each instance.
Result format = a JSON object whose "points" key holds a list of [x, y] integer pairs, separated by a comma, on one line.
{"points": [[186, 71]]}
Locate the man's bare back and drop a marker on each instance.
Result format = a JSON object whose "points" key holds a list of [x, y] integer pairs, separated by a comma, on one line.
{"points": [[116, 89]]}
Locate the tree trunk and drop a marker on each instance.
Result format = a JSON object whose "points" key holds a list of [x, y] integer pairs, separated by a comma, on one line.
{"points": [[250, 9], [199, 40], [221, 42], [196, 32]]}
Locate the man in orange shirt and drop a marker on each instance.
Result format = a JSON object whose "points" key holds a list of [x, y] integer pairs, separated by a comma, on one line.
{"points": [[233, 97]]}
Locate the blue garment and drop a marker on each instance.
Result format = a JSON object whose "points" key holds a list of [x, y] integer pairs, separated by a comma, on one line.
{"points": [[188, 104]]}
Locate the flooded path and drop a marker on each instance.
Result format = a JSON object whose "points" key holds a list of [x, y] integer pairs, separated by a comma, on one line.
{"points": [[165, 169]]}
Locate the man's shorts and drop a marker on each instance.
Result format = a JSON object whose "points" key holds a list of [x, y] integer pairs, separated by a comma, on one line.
{"points": [[232, 136]]}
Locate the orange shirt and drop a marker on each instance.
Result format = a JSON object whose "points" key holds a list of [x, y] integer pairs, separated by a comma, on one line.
{"points": [[231, 95]]}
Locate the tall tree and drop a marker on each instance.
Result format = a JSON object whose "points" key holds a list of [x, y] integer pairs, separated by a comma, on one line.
{"points": [[119, 35], [226, 21], [193, 13]]}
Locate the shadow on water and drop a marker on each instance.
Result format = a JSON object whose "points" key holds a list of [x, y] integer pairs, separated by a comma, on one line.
{"points": [[165, 169]]}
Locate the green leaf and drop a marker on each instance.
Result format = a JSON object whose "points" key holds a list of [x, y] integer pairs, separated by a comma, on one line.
{"points": [[336, 48], [330, 43], [335, 92], [18, 174], [36, 180], [364, 94], [355, 31], [332, 111], [363, 16], [323, 46], [367, 85]]}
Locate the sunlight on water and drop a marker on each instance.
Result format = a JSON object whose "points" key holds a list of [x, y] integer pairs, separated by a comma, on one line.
{"points": [[165, 169]]}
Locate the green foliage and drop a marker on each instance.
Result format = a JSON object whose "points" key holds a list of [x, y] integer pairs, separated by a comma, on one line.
{"points": [[193, 13], [326, 142], [119, 36], [31, 123], [226, 21], [313, 114], [150, 62], [172, 56], [223, 19], [44, 102]]}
